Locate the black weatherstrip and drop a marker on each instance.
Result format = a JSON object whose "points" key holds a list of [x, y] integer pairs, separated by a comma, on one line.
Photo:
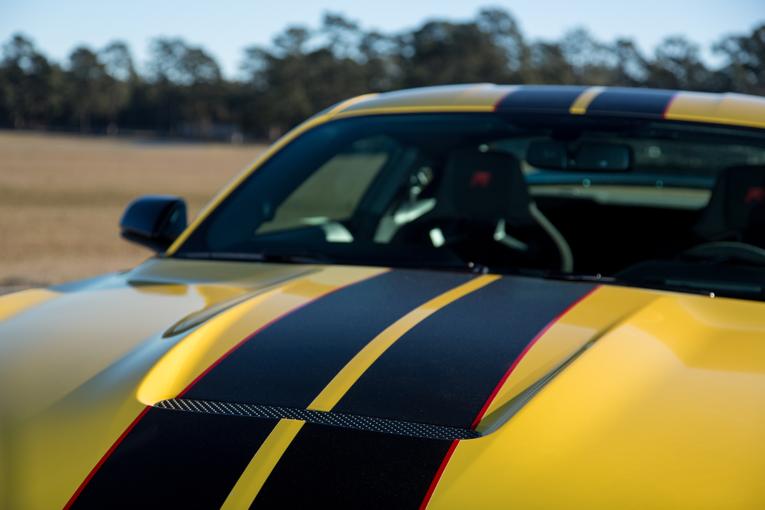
{"points": [[176, 460], [556, 98], [291, 361], [646, 102], [440, 372], [325, 467]]}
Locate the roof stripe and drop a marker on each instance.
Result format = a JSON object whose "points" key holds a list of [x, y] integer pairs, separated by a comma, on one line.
{"points": [[583, 101], [558, 98], [635, 102]]}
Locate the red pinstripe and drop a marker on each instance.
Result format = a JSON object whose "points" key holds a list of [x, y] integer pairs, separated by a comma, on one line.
{"points": [[493, 395]]}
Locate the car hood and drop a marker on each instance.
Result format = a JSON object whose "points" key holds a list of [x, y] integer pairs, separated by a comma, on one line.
{"points": [[375, 387]]}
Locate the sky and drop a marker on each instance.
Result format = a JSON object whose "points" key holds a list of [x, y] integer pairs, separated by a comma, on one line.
{"points": [[225, 27]]}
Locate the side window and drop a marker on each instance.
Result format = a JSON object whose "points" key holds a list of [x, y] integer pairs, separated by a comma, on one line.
{"points": [[334, 190]]}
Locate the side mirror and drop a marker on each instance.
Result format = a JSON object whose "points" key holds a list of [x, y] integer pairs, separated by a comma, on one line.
{"points": [[154, 221]]}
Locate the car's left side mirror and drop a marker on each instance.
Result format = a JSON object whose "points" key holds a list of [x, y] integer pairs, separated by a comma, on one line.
{"points": [[154, 221]]}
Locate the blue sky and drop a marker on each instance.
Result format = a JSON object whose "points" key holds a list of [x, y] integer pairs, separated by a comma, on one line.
{"points": [[224, 27]]}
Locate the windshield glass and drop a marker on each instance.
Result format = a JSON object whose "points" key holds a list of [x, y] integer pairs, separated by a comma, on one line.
{"points": [[658, 204]]}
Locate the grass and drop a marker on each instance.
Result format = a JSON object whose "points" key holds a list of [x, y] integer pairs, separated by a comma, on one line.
{"points": [[61, 198]]}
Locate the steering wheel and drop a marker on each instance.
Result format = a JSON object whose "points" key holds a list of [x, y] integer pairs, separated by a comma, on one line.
{"points": [[728, 249]]}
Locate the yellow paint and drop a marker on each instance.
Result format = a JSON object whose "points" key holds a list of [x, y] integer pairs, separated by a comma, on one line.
{"points": [[364, 359], [482, 96], [12, 304], [392, 110], [268, 455], [582, 324], [62, 412], [203, 346], [665, 410], [263, 462], [349, 103], [729, 109], [580, 105]]}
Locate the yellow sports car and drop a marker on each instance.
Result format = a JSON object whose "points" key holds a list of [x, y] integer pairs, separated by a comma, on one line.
{"points": [[474, 296]]}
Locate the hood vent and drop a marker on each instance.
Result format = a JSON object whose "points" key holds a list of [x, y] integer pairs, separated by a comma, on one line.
{"points": [[348, 421]]}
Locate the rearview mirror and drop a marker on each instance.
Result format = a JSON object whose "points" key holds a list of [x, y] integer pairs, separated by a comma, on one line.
{"points": [[603, 157], [154, 221], [589, 156], [547, 154]]}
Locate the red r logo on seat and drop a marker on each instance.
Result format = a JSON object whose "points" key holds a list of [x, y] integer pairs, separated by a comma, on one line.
{"points": [[755, 194], [480, 179]]}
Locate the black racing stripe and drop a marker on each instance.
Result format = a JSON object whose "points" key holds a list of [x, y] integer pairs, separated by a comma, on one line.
{"points": [[644, 102], [291, 361], [340, 468], [548, 97], [192, 460], [444, 369], [442, 372], [176, 460]]}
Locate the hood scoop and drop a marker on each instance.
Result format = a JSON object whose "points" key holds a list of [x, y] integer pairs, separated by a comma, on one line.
{"points": [[348, 421]]}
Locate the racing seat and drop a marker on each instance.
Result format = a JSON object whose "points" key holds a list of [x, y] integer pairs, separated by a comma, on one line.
{"points": [[483, 206], [736, 209]]}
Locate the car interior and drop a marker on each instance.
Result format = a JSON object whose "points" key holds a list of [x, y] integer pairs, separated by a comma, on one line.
{"points": [[668, 206]]}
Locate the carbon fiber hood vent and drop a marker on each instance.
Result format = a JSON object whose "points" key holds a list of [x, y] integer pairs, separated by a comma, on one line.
{"points": [[349, 421]]}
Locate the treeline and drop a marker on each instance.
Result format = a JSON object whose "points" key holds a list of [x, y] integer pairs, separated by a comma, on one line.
{"points": [[181, 90]]}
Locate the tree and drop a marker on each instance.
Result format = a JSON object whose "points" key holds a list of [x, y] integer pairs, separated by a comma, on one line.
{"points": [[590, 61], [502, 28], [442, 52], [306, 69], [31, 86], [745, 61], [174, 61], [119, 67], [677, 65], [92, 92]]}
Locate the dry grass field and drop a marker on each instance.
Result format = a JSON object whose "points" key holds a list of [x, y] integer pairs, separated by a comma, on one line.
{"points": [[61, 198]]}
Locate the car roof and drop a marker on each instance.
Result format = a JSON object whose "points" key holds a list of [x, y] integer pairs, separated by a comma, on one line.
{"points": [[622, 102], [728, 109]]}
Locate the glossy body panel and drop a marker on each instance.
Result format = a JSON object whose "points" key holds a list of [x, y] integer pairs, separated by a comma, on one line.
{"points": [[630, 398], [77, 369], [13, 304], [730, 109], [665, 410], [670, 391]]}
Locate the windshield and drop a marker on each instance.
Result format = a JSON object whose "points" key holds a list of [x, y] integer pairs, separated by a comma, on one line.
{"points": [[657, 204]]}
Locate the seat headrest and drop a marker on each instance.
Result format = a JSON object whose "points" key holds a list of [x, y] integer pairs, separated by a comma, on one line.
{"points": [[484, 186], [737, 206]]}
